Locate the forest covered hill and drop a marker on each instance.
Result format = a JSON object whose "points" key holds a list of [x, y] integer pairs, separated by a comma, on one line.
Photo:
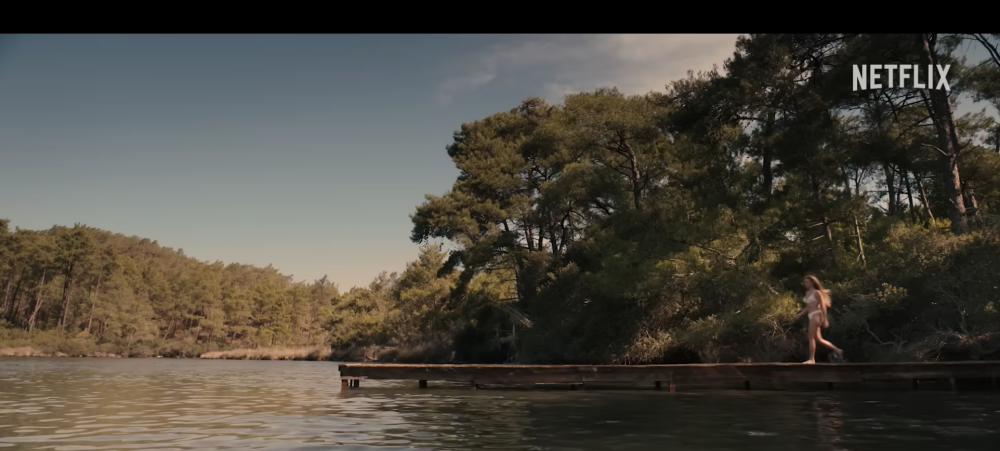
{"points": [[669, 227]]}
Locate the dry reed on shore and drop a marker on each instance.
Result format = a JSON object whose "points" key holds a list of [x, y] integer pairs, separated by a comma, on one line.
{"points": [[23, 351], [270, 354]]}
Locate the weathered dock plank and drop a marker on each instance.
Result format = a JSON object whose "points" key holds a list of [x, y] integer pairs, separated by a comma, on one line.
{"points": [[750, 374]]}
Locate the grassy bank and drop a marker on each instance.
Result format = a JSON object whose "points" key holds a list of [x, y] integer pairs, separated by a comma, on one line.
{"points": [[311, 354], [382, 354], [949, 347], [432, 352], [19, 343], [437, 353], [50, 343], [28, 351]]}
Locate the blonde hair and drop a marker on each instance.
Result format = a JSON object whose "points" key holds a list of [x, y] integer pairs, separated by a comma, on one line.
{"points": [[824, 294]]}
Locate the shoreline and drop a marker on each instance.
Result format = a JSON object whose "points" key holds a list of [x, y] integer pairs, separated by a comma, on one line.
{"points": [[313, 354], [28, 351], [298, 354], [362, 354]]}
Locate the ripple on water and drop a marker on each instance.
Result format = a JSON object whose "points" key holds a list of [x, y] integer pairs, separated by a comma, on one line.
{"points": [[160, 404]]}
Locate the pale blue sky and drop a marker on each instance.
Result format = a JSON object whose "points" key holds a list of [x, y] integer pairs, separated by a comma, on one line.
{"points": [[305, 152]]}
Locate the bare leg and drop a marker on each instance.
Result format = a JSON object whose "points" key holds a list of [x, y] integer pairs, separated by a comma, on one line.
{"points": [[819, 338], [812, 341]]}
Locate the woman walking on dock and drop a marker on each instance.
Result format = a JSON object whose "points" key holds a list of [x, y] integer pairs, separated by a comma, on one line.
{"points": [[817, 301]]}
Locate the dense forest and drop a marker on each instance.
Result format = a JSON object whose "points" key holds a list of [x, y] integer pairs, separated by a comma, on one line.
{"points": [[669, 227]]}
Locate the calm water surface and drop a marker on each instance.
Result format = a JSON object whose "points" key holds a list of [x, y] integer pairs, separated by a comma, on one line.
{"points": [[167, 404]]}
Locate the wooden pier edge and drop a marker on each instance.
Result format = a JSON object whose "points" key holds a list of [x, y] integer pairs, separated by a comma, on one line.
{"points": [[747, 374]]}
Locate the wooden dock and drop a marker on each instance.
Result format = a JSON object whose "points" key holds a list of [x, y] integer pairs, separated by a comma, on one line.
{"points": [[747, 374]]}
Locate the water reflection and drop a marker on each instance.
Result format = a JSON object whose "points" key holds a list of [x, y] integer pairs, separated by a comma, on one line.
{"points": [[91, 404], [828, 424]]}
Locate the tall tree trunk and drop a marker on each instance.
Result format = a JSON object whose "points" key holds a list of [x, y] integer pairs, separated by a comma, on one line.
{"points": [[6, 290], [38, 302], [518, 269], [171, 330], [18, 297], [829, 239], [861, 246], [506, 228], [847, 180], [857, 226], [909, 196], [827, 230], [996, 142], [15, 301], [923, 198], [67, 286], [890, 185], [944, 123], [564, 238], [899, 197], [637, 195], [19, 304], [133, 329], [93, 299], [768, 154], [971, 192], [553, 239], [636, 175]]}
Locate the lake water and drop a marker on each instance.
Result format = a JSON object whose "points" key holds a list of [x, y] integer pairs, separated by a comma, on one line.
{"points": [[166, 404]]}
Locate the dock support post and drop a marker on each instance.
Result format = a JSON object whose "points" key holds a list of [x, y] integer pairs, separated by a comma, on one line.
{"points": [[953, 383], [746, 385], [344, 384], [572, 386], [475, 386], [423, 384], [829, 385], [673, 387], [658, 384]]}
